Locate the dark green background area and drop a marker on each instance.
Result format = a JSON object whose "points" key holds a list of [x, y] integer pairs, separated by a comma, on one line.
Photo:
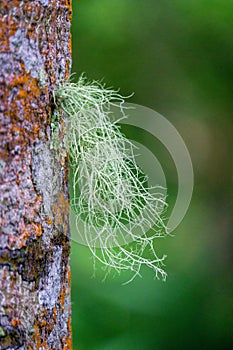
{"points": [[175, 56]]}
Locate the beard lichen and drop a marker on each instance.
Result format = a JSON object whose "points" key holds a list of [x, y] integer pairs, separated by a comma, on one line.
{"points": [[110, 196]]}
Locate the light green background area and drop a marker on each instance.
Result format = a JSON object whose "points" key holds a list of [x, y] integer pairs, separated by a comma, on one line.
{"points": [[175, 56]]}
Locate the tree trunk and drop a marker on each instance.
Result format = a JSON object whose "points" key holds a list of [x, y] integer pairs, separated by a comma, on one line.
{"points": [[35, 53]]}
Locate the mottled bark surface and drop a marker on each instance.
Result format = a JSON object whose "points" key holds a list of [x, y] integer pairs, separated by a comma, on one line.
{"points": [[34, 213]]}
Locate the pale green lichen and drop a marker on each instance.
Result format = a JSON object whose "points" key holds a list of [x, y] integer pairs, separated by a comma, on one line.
{"points": [[110, 196], [2, 333]]}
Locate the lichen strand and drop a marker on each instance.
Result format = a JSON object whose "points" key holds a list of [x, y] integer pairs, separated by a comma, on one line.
{"points": [[35, 37]]}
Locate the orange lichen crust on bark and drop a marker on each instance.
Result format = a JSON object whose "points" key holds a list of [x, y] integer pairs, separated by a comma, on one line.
{"points": [[35, 53], [44, 327]]}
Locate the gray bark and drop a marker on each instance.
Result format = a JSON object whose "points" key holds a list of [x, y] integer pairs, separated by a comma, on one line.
{"points": [[35, 53]]}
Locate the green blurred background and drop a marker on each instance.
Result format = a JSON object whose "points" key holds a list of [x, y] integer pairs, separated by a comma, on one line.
{"points": [[175, 56]]}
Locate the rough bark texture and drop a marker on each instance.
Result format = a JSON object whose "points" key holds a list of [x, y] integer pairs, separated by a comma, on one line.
{"points": [[35, 53]]}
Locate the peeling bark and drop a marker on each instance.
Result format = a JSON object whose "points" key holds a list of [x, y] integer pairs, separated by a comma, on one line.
{"points": [[35, 53]]}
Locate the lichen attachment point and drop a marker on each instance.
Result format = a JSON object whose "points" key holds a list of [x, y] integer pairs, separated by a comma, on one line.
{"points": [[110, 196]]}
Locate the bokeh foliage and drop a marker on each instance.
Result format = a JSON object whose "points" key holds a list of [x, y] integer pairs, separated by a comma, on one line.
{"points": [[175, 56]]}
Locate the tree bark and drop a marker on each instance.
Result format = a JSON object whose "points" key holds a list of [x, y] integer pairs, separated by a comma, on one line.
{"points": [[35, 53]]}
